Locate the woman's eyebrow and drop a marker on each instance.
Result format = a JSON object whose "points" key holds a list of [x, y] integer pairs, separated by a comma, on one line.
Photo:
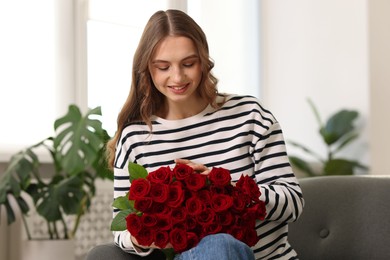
{"points": [[193, 56]]}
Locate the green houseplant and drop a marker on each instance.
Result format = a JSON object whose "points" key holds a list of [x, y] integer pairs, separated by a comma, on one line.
{"points": [[77, 156], [337, 132]]}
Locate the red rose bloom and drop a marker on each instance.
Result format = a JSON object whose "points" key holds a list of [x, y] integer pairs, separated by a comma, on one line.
{"points": [[220, 177], [249, 187], [182, 171], [237, 232], [204, 196], [194, 206], [195, 182], [139, 189], [190, 222], [159, 192], [160, 209], [259, 211], [164, 222], [178, 238], [161, 175], [239, 201], [148, 220], [179, 215], [143, 204], [225, 218], [192, 240], [134, 224], [175, 195], [206, 216], [162, 238], [212, 228], [145, 236], [250, 237], [221, 202]]}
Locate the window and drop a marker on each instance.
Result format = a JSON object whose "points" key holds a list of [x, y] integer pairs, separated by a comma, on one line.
{"points": [[34, 82]]}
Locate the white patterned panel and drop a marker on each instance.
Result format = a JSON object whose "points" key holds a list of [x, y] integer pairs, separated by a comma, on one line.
{"points": [[94, 227]]}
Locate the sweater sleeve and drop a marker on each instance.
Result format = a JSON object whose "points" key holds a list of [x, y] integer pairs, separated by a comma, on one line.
{"points": [[121, 186], [278, 185]]}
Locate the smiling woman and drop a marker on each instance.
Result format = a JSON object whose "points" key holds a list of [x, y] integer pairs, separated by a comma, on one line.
{"points": [[175, 113], [176, 72]]}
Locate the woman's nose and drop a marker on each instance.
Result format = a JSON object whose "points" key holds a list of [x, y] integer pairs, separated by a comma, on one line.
{"points": [[177, 75]]}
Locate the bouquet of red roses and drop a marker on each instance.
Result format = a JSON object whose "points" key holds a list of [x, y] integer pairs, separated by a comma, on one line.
{"points": [[180, 206]]}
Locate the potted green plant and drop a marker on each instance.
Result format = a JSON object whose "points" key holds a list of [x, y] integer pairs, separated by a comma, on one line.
{"points": [[337, 132], [77, 155]]}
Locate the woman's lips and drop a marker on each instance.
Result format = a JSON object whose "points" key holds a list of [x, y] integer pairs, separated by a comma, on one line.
{"points": [[179, 89]]}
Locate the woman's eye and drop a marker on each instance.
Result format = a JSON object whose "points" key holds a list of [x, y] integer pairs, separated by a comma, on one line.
{"points": [[188, 65], [163, 68]]}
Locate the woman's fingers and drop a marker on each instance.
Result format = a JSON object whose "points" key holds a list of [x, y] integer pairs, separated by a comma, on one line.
{"points": [[201, 168], [182, 161]]}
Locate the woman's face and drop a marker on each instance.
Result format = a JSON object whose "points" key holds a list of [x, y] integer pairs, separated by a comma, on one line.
{"points": [[176, 70]]}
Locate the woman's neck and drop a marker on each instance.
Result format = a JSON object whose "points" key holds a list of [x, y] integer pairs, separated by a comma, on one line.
{"points": [[177, 111]]}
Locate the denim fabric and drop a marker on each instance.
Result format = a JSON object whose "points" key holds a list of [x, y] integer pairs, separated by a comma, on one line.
{"points": [[218, 246]]}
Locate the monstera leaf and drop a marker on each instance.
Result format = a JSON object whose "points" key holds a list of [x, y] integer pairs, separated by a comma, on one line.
{"points": [[62, 194], [16, 178], [77, 140], [77, 152]]}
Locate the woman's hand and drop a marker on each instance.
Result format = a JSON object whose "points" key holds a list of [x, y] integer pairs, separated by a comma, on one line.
{"points": [[201, 168], [135, 243]]}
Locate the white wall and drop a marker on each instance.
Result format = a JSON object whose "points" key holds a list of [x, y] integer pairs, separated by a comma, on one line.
{"points": [[232, 30], [317, 50]]}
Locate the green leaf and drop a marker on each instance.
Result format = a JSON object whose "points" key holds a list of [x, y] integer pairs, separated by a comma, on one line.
{"points": [[70, 194], [338, 125], [123, 203], [65, 196], [3, 191], [169, 253], [16, 178], [348, 139], [136, 171], [23, 205], [10, 213], [339, 167], [15, 187], [78, 140], [100, 165], [119, 221]]}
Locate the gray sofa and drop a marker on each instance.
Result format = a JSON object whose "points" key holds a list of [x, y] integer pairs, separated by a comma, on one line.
{"points": [[345, 217]]}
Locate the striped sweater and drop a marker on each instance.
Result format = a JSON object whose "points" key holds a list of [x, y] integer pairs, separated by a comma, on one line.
{"points": [[240, 136]]}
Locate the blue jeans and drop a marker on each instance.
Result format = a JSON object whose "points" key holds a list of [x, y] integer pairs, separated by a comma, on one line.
{"points": [[218, 246]]}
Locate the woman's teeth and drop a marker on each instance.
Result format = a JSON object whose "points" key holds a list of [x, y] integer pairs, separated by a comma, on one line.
{"points": [[178, 88]]}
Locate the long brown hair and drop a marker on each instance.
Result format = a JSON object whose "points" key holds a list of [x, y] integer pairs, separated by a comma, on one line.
{"points": [[144, 99]]}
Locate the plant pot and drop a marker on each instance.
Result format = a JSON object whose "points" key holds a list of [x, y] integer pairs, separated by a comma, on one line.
{"points": [[47, 250]]}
